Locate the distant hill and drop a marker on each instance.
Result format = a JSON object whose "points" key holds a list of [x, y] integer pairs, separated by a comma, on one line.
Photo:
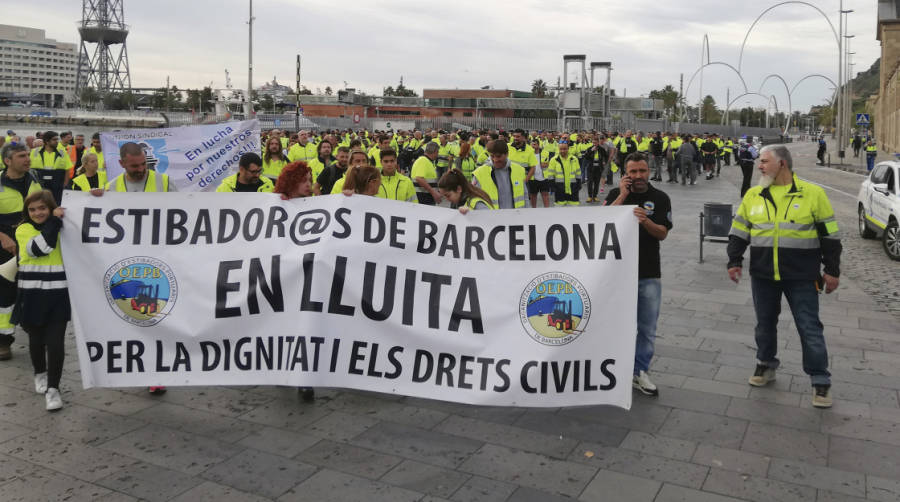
{"points": [[864, 85]]}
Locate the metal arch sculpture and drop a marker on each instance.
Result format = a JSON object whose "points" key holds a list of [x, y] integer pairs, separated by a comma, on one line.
{"points": [[747, 35], [810, 76], [704, 43], [788, 91], [735, 70], [770, 98], [704, 49]]}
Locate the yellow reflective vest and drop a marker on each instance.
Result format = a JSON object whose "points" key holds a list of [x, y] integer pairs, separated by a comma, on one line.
{"points": [[471, 202], [229, 184], [423, 167], [524, 157], [43, 272], [790, 229], [397, 187], [485, 177], [49, 160], [101, 166], [11, 201], [155, 182], [82, 183], [304, 153], [564, 171], [445, 154], [316, 166], [272, 168]]}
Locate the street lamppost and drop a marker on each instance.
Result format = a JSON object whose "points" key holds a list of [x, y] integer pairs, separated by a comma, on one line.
{"points": [[842, 17], [848, 99], [850, 113]]}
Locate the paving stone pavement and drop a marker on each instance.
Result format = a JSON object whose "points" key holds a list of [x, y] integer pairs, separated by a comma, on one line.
{"points": [[707, 437]]}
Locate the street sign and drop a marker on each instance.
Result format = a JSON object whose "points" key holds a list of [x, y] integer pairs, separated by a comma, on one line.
{"points": [[356, 118], [862, 119]]}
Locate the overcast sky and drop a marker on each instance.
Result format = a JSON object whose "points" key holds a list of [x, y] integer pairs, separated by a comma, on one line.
{"points": [[469, 44]]}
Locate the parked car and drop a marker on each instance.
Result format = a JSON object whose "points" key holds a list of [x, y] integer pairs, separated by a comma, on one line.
{"points": [[879, 207]]}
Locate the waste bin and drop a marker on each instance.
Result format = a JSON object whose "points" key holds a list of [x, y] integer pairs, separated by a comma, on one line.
{"points": [[716, 219]]}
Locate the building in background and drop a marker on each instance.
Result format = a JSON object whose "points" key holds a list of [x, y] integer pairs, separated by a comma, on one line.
{"points": [[885, 106], [466, 106], [34, 69], [278, 92]]}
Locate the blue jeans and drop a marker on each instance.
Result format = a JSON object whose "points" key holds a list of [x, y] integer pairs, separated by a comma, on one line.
{"points": [[803, 299], [649, 299]]}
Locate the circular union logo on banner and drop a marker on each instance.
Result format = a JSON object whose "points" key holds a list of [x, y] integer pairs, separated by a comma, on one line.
{"points": [[554, 308], [141, 290]]}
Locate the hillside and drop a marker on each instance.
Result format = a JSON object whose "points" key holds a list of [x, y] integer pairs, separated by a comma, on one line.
{"points": [[864, 85]]}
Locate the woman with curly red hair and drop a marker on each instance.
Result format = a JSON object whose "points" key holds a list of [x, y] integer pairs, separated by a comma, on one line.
{"points": [[295, 181]]}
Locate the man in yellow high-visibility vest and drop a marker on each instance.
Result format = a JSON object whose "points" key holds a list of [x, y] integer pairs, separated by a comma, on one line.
{"points": [[795, 252]]}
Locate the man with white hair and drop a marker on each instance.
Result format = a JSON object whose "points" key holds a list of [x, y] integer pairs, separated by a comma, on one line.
{"points": [[304, 150], [790, 228]]}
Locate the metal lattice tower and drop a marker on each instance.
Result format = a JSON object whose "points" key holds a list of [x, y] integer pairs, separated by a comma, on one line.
{"points": [[104, 66]]}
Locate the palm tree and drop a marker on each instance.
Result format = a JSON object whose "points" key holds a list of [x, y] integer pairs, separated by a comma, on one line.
{"points": [[539, 88]]}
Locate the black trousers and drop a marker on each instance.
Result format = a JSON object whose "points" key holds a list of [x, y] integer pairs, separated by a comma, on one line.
{"points": [[594, 175], [46, 343], [747, 171]]}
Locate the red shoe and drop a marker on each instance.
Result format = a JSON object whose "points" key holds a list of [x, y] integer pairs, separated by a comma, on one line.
{"points": [[157, 391]]}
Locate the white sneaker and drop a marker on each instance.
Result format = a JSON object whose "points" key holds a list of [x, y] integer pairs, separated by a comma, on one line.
{"points": [[54, 400], [40, 383], [642, 382]]}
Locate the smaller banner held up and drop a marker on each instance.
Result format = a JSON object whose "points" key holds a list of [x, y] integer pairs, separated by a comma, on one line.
{"points": [[196, 158]]}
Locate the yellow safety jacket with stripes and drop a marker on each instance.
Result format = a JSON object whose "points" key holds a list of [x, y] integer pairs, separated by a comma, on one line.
{"points": [[524, 157], [42, 159], [40, 262], [445, 152], [155, 182], [397, 187], [306, 152], [485, 177], [423, 167], [564, 171], [791, 231], [467, 164]]}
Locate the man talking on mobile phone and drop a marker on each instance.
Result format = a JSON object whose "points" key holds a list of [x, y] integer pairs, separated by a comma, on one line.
{"points": [[654, 215]]}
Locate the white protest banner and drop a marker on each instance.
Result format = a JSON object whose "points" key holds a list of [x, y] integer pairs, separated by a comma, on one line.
{"points": [[195, 158], [512, 307]]}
